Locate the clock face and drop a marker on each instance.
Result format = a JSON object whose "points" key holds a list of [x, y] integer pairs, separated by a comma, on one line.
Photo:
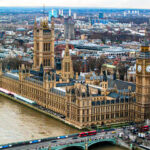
{"points": [[148, 68], [139, 68]]}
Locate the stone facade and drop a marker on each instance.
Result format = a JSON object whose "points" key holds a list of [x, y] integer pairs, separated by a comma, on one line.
{"points": [[82, 105], [143, 84], [96, 101], [67, 67], [44, 45]]}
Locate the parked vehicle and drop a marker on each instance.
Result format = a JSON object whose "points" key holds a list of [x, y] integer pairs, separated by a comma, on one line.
{"points": [[121, 134], [144, 128], [141, 135], [132, 137]]}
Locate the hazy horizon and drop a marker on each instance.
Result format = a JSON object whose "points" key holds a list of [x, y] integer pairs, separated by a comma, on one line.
{"points": [[67, 7], [125, 4]]}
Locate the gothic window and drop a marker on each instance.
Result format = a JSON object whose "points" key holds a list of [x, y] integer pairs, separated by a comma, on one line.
{"points": [[67, 53], [37, 46], [48, 62], [107, 116], [44, 46], [68, 67], [121, 114], [112, 108], [126, 114], [37, 62], [87, 119], [87, 111], [49, 47], [117, 115], [112, 116], [65, 66], [44, 63]]}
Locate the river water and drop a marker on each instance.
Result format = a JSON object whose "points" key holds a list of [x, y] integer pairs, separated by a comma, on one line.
{"points": [[19, 123]]}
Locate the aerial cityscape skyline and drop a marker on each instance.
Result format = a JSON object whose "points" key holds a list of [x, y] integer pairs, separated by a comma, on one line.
{"points": [[145, 4], [74, 75]]}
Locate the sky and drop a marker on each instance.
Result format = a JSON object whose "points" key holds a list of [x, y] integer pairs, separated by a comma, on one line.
{"points": [[80, 3]]}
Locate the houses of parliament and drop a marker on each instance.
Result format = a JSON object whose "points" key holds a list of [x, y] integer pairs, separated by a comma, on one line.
{"points": [[96, 101]]}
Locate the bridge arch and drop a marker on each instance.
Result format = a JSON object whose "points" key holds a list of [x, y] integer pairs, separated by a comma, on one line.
{"points": [[73, 147], [76, 146], [92, 143]]}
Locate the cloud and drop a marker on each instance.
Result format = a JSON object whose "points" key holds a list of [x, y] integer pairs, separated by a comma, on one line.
{"points": [[80, 3]]}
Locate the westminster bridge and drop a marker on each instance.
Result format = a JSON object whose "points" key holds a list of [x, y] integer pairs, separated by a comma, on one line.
{"points": [[69, 141]]}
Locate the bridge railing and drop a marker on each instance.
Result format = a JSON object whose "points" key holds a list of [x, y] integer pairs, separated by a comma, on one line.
{"points": [[86, 140], [21, 143]]}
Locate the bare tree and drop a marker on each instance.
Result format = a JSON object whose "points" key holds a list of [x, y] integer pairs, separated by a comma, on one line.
{"points": [[99, 62], [91, 63], [122, 69], [77, 66], [11, 63]]}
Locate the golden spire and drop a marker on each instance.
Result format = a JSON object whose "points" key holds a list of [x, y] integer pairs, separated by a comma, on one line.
{"points": [[45, 23], [67, 48], [41, 23], [52, 25]]}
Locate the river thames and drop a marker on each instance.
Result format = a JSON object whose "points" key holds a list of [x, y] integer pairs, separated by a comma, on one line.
{"points": [[20, 123]]}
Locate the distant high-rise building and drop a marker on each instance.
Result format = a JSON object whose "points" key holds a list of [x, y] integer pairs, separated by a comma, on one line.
{"points": [[69, 28], [60, 12], [101, 15], [75, 16], [69, 12], [53, 13], [147, 31]]}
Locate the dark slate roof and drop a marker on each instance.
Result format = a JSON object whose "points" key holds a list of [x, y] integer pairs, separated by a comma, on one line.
{"points": [[121, 84], [34, 80], [37, 78], [64, 84], [95, 95], [114, 95], [14, 71], [57, 91], [11, 76]]}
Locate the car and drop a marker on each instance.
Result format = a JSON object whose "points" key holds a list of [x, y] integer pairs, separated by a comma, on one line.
{"points": [[54, 141], [113, 132], [62, 137]]}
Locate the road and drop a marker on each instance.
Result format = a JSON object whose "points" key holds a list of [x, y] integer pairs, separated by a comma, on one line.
{"points": [[69, 140], [124, 141]]}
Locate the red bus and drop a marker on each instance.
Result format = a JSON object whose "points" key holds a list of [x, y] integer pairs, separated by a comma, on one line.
{"points": [[144, 128], [89, 133]]}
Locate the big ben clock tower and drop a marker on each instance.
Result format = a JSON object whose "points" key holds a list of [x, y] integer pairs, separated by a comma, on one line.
{"points": [[142, 107]]}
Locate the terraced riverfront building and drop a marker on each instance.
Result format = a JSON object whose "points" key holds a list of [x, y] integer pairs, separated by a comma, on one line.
{"points": [[93, 100]]}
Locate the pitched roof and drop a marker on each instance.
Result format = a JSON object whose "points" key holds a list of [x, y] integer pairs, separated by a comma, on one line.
{"points": [[121, 84]]}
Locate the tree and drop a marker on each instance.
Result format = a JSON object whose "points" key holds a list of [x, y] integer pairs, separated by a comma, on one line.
{"points": [[122, 69], [91, 63], [11, 63], [77, 64], [99, 62]]}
